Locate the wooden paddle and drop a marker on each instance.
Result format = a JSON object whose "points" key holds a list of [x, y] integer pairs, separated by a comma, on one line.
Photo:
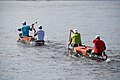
{"points": [[69, 38]]}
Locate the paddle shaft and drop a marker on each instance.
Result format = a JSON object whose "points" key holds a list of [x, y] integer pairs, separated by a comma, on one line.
{"points": [[33, 27], [33, 23], [69, 38], [70, 35], [69, 41]]}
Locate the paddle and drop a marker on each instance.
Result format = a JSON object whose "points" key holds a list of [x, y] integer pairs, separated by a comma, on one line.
{"points": [[33, 28], [33, 23], [69, 38], [106, 57], [71, 31], [69, 50]]}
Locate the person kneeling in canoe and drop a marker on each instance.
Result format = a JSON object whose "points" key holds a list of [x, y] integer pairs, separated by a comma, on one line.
{"points": [[75, 39], [99, 47], [25, 31], [40, 36]]}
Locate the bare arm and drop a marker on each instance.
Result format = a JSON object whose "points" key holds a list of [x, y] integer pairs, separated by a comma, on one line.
{"points": [[35, 34], [33, 28], [19, 29], [104, 47], [71, 31]]}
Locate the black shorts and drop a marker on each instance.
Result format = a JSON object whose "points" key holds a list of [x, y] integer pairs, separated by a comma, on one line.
{"points": [[99, 54], [20, 35], [76, 45], [39, 41]]}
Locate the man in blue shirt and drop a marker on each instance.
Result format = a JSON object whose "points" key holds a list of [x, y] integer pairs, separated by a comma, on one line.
{"points": [[40, 34], [25, 30]]}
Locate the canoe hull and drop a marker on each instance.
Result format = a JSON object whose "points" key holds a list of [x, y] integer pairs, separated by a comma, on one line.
{"points": [[85, 51], [31, 41]]}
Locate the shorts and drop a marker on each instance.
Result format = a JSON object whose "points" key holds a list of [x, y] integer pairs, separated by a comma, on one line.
{"points": [[76, 45], [99, 54]]}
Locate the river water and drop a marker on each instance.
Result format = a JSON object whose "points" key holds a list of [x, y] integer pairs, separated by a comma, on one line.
{"points": [[49, 62]]}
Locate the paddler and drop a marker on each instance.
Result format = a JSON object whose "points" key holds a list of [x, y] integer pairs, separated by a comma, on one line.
{"points": [[40, 34], [99, 46], [25, 30], [75, 39]]}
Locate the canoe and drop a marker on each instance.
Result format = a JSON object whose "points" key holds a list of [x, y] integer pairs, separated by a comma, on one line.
{"points": [[31, 41], [85, 51]]}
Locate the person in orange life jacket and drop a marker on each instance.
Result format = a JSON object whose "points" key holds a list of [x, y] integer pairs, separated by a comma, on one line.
{"points": [[99, 46], [40, 34]]}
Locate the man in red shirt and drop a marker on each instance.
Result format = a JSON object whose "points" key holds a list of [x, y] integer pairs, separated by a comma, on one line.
{"points": [[99, 46]]}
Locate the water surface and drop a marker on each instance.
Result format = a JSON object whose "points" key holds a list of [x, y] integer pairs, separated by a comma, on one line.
{"points": [[49, 62]]}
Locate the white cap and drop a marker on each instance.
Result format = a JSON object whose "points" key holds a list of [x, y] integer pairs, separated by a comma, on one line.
{"points": [[39, 26], [24, 23], [75, 31], [97, 36]]}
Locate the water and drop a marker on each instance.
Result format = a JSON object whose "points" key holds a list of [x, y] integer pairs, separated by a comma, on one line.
{"points": [[49, 62]]}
